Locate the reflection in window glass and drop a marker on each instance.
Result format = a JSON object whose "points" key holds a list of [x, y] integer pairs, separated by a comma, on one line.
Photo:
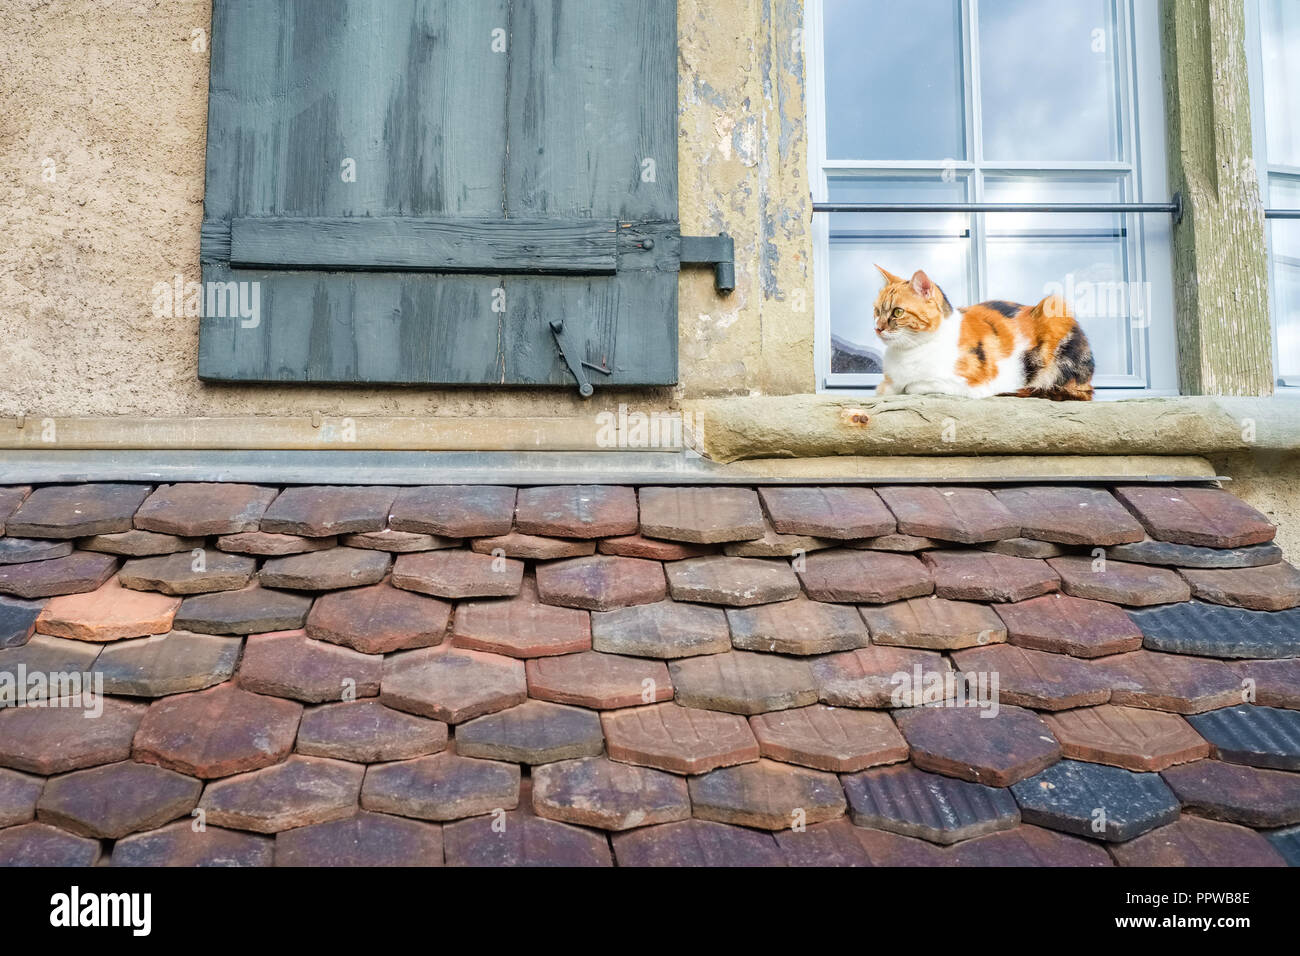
{"points": [[1280, 30], [1054, 98], [1285, 240], [893, 79], [902, 243]]}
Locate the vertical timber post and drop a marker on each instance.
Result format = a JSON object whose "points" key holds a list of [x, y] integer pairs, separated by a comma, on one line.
{"points": [[1220, 267]]}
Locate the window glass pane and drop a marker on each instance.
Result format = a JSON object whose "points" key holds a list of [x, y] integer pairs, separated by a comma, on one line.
{"points": [[901, 242], [1048, 80], [1080, 256], [1285, 243], [894, 79], [1280, 27]]}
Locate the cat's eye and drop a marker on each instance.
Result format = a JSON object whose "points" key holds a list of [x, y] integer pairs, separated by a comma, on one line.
{"points": [[897, 313]]}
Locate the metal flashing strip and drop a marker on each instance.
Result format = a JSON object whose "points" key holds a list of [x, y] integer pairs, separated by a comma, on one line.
{"points": [[293, 467]]}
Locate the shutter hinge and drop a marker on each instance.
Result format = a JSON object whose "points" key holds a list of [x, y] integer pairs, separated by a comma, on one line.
{"points": [[718, 251], [569, 352]]}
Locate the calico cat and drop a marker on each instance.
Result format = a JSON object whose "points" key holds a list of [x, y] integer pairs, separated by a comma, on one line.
{"points": [[993, 348]]}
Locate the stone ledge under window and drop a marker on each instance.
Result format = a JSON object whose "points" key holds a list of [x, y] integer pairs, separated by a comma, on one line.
{"points": [[816, 426]]}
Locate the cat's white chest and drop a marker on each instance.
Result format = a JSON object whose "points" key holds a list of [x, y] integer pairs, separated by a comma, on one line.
{"points": [[929, 365]]}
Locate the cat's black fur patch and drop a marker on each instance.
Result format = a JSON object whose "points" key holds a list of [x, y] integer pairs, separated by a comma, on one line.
{"points": [[1032, 363], [1009, 309], [1074, 358], [978, 350]]}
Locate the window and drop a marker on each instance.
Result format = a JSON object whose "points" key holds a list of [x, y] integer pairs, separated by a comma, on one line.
{"points": [[992, 101], [1273, 55]]}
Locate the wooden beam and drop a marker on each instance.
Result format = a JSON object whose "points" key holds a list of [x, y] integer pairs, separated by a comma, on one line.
{"points": [[580, 246]]}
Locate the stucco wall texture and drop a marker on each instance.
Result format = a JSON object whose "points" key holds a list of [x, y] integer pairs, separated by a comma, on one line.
{"points": [[103, 109]]}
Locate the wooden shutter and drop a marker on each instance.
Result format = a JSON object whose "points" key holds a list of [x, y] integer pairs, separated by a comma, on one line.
{"points": [[497, 193]]}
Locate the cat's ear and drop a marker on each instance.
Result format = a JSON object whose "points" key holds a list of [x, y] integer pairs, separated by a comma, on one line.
{"points": [[921, 284], [889, 276]]}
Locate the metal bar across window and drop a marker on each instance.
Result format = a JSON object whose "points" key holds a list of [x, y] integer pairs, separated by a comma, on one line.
{"points": [[1173, 208], [1282, 213]]}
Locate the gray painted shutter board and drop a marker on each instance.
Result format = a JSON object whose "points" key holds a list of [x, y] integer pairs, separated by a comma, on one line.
{"points": [[495, 192]]}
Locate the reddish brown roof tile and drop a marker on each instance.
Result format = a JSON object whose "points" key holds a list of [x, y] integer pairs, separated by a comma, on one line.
{"points": [[700, 515], [695, 843], [665, 629], [76, 511], [1029, 846], [363, 839], [1062, 624], [678, 739], [1037, 679], [736, 582], [833, 843], [767, 795], [1275, 683], [965, 515], [597, 792], [1024, 548], [934, 623], [1196, 842], [829, 738], [290, 664], [520, 839], [637, 546], [1171, 682], [458, 574], [601, 582], [365, 731], [742, 682], [599, 681], [264, 543], [533, 548], [299, 792], [776, 545], [1127, 737], [836, 511], [379, 619], [1273, 587], [444, 786], [534, 732], [109, 613], [1237, 794], [1119, 582], [217, 732], [327, 570], [49, 740], [577, 511], [1070, 515], [18, 795], [997, 751], [188, 572], [76, 573], [454, 511], [319, 510], [521, 626], [985, 576], [38, 844], [10, 498], [798, 627], [451, 684], [397, 542], [1208, 517], [134, 543], [110, 802], [195, 509], [179, 844], [873, 577], [875, 676]]}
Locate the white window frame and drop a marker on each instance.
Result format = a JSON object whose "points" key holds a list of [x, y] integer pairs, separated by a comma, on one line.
{"points": [[1289, 385], [1143, 143]]}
